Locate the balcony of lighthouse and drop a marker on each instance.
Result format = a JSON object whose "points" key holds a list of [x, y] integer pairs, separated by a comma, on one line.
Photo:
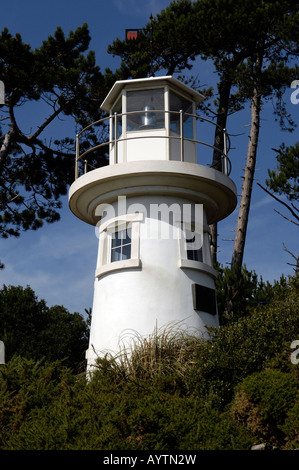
{"points": [[149, 141], [157, 143]]}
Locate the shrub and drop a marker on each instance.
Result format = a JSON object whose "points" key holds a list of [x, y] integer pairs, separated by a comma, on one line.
{"points": [[172, 391], [238, 290], [241, 348], [263, 403], [34, 400]]}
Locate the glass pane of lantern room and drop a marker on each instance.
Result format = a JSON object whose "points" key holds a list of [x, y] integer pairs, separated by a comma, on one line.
{"points": [[147, 101], [178, 103]]}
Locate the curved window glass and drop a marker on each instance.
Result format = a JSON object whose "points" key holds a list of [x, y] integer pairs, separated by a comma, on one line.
{"points": [[147, 101], [178, 103]]}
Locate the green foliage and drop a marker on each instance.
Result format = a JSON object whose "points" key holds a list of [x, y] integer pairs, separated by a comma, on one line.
{"points": [[263, 402], [238, 290], [34, 400], [58, 79], [172, 392], [44, 407], [253, 342], [31, 329], [177, 39], [285, 180]]}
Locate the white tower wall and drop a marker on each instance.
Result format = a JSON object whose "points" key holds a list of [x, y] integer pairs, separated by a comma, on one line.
{"points": [[157, 291]]}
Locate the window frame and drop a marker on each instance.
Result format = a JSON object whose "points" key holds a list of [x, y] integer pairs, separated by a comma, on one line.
{"points": [[106, 231], [206, 264]]}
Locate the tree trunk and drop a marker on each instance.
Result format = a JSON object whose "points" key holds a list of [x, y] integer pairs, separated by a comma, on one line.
{"points": [[224, 93], [239, 244]]}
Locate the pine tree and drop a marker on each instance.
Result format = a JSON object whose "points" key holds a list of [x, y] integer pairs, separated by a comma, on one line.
{"points": [[285, 181], [62, 80]]}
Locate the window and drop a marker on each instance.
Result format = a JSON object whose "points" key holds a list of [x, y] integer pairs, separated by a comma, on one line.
{"points": [[119, 240], [178, 103], [121, 245], [193, 246], [147, 100], [194, 249]]}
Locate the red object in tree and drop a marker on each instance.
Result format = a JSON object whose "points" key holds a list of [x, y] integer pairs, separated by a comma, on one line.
{"points": [[131, 34]]}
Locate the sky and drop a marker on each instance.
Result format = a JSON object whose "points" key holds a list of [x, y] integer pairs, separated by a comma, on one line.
{"points": [[58, 261]]}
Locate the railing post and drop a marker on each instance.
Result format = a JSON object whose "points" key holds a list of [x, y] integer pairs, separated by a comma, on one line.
{"points": [[225, 150], [115, 138], [77, 157], [182, 135]]}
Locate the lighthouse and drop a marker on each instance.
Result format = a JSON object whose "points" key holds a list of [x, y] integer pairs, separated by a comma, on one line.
{"points": [[151, 207]]}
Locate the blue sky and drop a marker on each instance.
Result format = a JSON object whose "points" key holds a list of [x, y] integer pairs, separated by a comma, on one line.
{"points": [[58, 261]]}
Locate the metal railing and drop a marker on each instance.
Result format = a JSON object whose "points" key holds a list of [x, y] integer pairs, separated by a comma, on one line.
{"points": [[116, 118]]}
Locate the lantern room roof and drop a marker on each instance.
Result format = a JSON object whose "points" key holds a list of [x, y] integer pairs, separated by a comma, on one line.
{"points": [[143, 83]]}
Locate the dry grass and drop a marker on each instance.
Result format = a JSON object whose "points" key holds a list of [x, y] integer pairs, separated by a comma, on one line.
{"points": [[165, 351]]}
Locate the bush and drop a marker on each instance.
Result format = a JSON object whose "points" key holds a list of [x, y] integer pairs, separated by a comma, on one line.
{"points": [[254, 342], [264, 401], [172, 392], [239, 290], [34, 404], [45, 407]]}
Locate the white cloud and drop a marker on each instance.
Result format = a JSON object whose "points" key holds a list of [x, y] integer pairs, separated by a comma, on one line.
{"points": [[138, 7], [262, 202]]}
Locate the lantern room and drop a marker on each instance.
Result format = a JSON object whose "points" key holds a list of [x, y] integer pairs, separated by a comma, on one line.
{"points": [[160, 110]]}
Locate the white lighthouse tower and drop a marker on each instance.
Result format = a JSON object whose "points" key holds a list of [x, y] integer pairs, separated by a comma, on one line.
{"points": [[152, 207]]}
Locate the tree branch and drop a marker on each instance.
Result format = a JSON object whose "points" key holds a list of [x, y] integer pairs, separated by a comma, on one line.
{"points": [[295, 257], [279, 200], [4, 149], [47, 122], [290, 253], [290, 220]]}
